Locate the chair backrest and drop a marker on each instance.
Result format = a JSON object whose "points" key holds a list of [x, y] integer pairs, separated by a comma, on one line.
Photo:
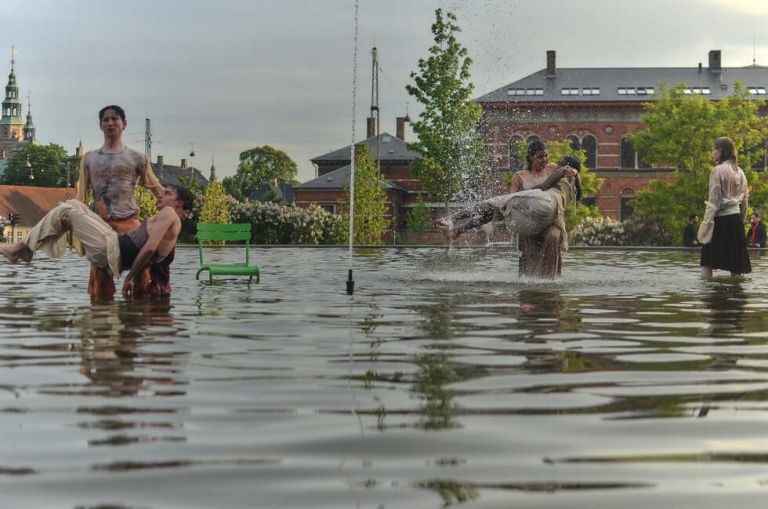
{"points": [[224, 232]]}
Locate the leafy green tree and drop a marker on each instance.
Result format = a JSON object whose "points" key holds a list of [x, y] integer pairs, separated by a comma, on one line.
{"points": [[145, 201], [215, 207], [590, 182], [418, 219], [678, 131], [370, 202], [454, 157], [258, 166], [48, 164]]}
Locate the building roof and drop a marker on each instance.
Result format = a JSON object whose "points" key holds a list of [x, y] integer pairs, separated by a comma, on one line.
{"points": [[335, 180], [169, 174], [627, 84], [32, 203], [283, 190], [392, 149]]}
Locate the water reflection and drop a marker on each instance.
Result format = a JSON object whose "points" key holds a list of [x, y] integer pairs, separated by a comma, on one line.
{"points": [[725, 300], [122, 355]]}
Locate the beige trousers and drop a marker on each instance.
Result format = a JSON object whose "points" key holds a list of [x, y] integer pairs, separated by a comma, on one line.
{"points": [[96, 236]]}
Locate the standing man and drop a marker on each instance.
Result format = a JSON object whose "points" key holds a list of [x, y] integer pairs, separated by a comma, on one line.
{"points": [[756, 235], [110, 174], [149, 247], [689, 234]]}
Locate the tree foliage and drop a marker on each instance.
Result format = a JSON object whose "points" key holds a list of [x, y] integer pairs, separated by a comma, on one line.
{"points": [[419, 217], [258, 166], [678, 131], [215, 207], [454, 157], [145, 201], [47, 164], [370, 202]]}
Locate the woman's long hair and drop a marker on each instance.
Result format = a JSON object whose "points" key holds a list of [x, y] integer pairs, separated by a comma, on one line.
{"points": [[727, 150]]}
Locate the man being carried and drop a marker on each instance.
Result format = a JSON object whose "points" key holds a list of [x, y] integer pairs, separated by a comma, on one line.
{"points": [[151, 245], [519, 213]]}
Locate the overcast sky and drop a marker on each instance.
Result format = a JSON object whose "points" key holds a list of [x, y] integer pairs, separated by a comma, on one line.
{"points": [[228, 75]]}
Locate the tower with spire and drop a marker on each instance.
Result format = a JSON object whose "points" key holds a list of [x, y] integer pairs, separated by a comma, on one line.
{"points": [[29, 127], [11, 123]]}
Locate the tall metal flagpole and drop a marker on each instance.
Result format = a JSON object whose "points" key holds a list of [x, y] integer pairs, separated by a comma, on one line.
{"points": [[350, 281]]}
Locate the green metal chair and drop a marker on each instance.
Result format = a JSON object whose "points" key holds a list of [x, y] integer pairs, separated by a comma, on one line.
{"points": [[226, 232]]}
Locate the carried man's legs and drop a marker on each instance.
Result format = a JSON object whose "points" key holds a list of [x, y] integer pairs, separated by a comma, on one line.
{"points": [[98, 239]]}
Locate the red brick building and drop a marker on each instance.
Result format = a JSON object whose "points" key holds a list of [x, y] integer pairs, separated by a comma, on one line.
{"points": [[596, 108], [333, 170]]}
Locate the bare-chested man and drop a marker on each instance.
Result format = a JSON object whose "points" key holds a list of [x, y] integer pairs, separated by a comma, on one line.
{"points": [[111, 174], [151, 246]]}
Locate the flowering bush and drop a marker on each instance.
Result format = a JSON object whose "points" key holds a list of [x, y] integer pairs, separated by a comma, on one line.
{"points": [[598, 231], [279, 224]]}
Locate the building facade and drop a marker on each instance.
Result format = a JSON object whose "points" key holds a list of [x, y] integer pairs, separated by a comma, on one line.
{"points": [[394, 158], [596, 108]]}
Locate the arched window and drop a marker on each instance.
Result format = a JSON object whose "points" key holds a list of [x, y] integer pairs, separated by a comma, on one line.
{"points": [[575, 144], [627, 154], [589, 144], [516, 162]]}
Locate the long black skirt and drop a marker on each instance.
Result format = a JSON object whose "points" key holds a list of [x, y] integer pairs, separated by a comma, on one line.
{"points": [[728, 248]]}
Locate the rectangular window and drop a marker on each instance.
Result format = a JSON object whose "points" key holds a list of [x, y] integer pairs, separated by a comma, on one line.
{"points": [[622, 91], [539, 91], [569, 91], [590, 91], [761, 90], [706, 91], [687, 91], [528, 91]]}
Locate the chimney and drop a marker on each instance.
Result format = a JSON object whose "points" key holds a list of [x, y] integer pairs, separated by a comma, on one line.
{"points": [[370, 130], [160, 161], [715, 61], [400, 130], [184, 163], [551, 68]]}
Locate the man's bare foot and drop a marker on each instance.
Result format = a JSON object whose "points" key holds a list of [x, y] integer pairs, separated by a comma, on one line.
{"points": [[17, 252]]}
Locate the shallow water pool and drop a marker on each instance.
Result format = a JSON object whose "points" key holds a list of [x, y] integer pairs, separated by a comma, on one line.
{"points": [[445, 380]]}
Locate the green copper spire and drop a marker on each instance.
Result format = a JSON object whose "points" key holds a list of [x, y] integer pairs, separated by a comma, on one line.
{"points": [[11, 114]]}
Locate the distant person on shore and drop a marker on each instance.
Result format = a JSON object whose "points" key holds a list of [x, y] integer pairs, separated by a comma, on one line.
{"points": [[689, 234], [756, 236], [151, 246], [111, 174], [721, 233]]}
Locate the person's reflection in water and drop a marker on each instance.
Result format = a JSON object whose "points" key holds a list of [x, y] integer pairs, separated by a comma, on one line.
{"points": [[546, 311], [119, 366], [545, 308], [725, 300]]}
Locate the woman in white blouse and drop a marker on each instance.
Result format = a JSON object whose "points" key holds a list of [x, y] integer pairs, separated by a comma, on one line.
{"points": [[721, 233]]}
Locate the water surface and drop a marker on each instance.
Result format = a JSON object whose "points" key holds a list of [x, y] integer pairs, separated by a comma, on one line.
{"points": [[445, 380]]}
